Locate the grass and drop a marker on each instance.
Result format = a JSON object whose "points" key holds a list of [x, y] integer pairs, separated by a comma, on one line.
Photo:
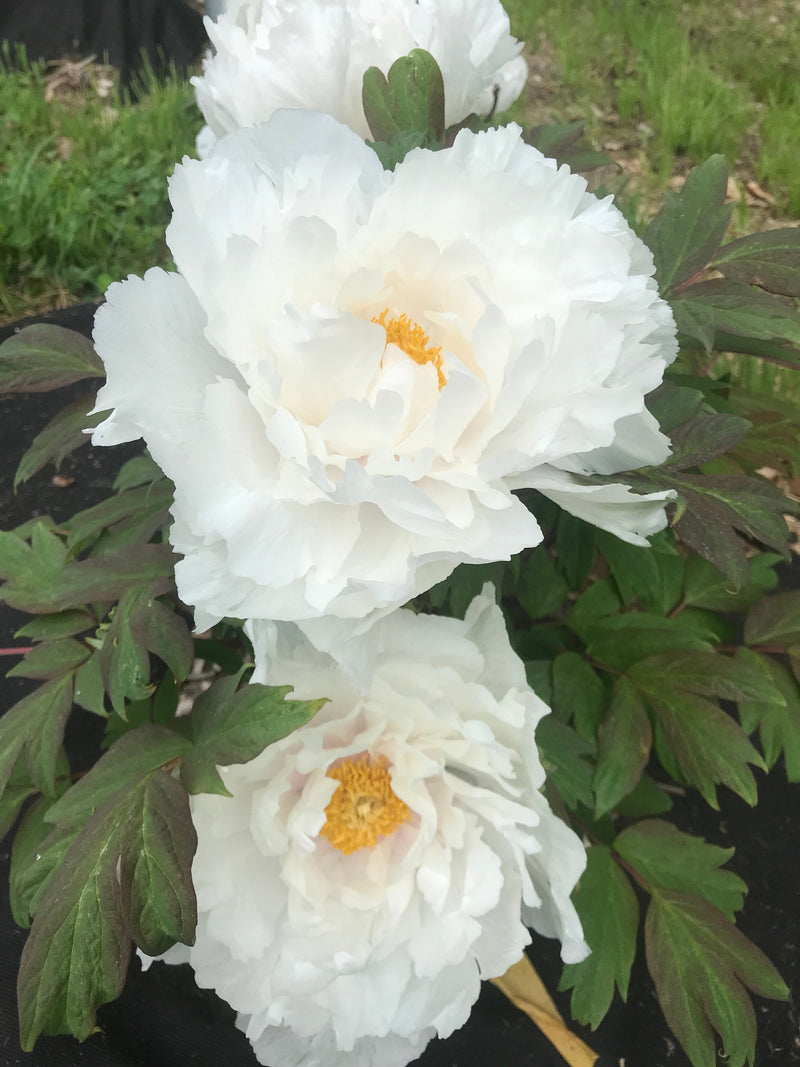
{"points": [[83, 198]]}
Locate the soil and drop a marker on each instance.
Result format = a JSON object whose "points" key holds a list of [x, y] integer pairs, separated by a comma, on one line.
{"points": [[163, 1020]]}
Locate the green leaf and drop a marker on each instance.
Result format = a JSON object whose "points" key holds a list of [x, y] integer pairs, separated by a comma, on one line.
{"points": [[464, 584], [565, 143], [231, 725], [700, 964], [126, 874], [90, 692], [619, 641], [574, 548], [52, 627], [578, 694], [777, 717], [35, 726], [41, 581], [674, 404], [624, 742], [563, 754], [156, 870], [770, 260], [652, 575], [32, 864], [44, 357], [734, 310], [392, 154], [124, 662], [599, 601], [686, 233], [141, 470], [61, 436], [541, 589], [707, 673], [709, 746], [51, 659], [706, 587], [17, 791], [164, 633], [774, 620], [644, 800], [409, 99], [147, 502], [666, 858], [130, 759], [609, 912]]}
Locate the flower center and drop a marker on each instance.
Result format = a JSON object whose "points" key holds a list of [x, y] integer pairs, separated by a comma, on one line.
{"points": [[412, 339], [364, 806]]}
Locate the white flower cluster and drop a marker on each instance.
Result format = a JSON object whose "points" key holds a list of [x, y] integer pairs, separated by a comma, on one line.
{"points": [[271, 54], [347, 379]]}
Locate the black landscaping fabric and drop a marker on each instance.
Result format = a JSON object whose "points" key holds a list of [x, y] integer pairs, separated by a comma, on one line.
{"points": [[163, 1020], [125, 33]]}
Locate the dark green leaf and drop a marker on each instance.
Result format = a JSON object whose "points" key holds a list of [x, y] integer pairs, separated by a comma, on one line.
{"points": [[541, 589], [563, 754], [35, 725], [624, 742], [226, 658], [51, 627], [464, 584], [565, 143], [652, 575], [231, 725], [686, 233], [124, 662], [736, 310], [574, 548], [778, 718], [150, 501], [620, 640], [164, 633], [709, 746], [130, 759], [44, 357], [409, 99], [126, 874], [666, 858], [155, 874], [40, 581], [392, 154], [141, 470], [770, 260], [674, 404], [32, 874], [62, 435], [27, 854], [709, 674], [703, 437], [51, 659], [645, 799], [599, 601], [706, 587], [718, 506], [578, 694], [700, 964], [774, 620], [16, 792], [609, 913], [90, 692]]}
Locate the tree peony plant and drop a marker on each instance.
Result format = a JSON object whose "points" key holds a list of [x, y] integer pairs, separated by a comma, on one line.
{"points": [[370, 869], [270, 54], [357, 367]]}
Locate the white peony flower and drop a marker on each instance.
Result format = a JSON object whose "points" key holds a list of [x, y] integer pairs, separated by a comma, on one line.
{"points": [[271, 54], [354, 368], [371, 868]]}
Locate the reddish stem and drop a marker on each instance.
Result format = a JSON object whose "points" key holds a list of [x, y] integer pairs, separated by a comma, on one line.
{"points": [[15, 651]]}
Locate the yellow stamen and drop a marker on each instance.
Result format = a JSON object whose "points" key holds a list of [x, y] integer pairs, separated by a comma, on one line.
{"points": [[412, 339], [364, 806]]}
